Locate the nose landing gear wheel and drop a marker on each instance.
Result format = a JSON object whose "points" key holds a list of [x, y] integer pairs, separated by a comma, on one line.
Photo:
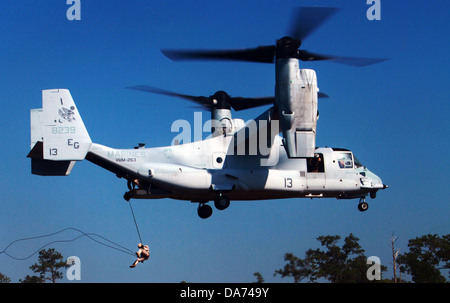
{"points": [[204, 211], [221, 203], [363, 205]]}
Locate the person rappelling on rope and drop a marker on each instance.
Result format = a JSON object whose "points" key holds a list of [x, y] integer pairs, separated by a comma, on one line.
{"points": [[142, 254]]}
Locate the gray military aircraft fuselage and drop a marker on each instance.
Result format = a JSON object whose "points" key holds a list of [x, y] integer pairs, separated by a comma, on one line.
{"points": [[201, 172], [221, 168]]}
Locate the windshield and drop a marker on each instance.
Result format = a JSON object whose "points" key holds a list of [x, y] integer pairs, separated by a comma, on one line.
{"points": [[357, 163]]}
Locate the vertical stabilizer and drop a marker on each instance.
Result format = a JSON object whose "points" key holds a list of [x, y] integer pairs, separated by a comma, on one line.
{"points": [[58, 135], [65, 136]]}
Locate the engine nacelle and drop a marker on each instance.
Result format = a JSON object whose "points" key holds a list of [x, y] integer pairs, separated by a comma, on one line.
{"points": [[296, 99]]}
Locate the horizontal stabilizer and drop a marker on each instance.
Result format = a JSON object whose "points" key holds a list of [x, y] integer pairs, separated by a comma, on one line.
{"points": [[42, 167], [51, 168]]}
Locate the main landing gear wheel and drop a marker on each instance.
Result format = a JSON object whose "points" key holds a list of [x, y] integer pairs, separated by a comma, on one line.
{"points": [[363, 205], [204, 211], [221, 202]]}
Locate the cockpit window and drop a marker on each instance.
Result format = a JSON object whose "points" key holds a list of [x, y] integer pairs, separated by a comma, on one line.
{"points": [[357, 163], [345, 160]]}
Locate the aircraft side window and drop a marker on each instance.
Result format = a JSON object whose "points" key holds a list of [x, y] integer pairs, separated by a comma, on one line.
{"points": [[315, 165], [345, 160]]}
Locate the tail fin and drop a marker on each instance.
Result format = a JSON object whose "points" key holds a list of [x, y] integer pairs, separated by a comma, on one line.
{"points": [[58, 135]]}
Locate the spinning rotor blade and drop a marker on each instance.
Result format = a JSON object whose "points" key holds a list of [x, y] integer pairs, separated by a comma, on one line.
{"points": [[219, 100], [239, 103], [305, 55], [321, 95], [264, 54], [306, 20], [201, 100], [358, 61]]}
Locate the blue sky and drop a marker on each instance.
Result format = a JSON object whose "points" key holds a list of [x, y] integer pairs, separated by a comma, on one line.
{"points": [[393, 116]]}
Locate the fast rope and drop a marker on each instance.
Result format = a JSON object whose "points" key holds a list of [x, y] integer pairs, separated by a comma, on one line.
{"points": [[135, 223], [83, 234]]}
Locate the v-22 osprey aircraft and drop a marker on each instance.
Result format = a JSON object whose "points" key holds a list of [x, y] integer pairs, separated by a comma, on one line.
{"points": [[229, 165]]}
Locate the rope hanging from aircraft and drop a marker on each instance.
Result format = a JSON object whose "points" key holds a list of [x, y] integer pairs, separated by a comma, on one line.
{"points": [[91, 236], [83, 234], [135, 223]]}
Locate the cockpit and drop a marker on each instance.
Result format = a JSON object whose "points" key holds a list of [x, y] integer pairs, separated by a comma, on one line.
{"points": [[337, 169]]}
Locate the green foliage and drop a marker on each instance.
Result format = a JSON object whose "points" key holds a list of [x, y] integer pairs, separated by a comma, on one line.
{"points": [[336, 264], [259, 278], [426, 257], [4, 279], [295, 267], [50, 261], [32, 279]]}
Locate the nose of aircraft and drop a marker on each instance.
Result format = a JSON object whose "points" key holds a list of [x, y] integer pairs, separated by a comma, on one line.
{"points": [[372, 181]]}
